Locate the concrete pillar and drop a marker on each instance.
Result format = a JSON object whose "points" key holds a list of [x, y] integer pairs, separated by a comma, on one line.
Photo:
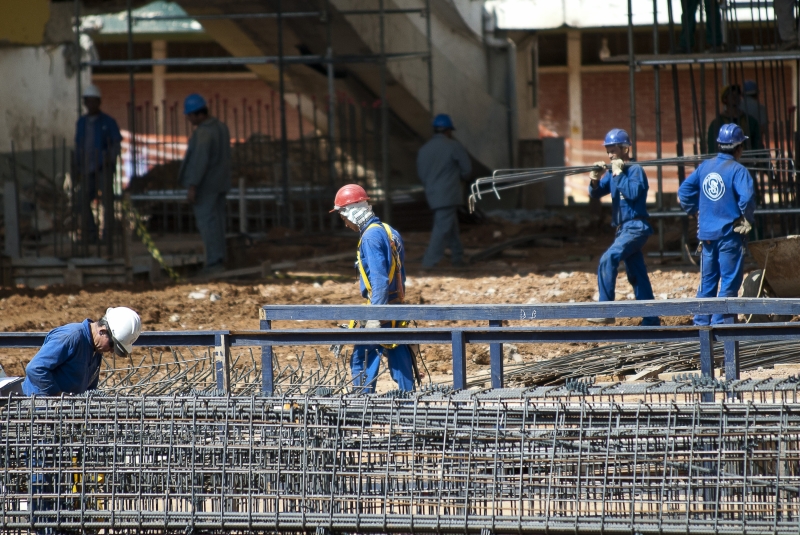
{"points": [[575, 105], [159, 51], [527, 89]]}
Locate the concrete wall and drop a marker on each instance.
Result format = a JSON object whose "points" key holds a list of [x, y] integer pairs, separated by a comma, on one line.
{"points": [[38, 95]]}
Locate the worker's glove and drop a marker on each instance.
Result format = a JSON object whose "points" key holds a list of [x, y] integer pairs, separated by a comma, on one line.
{"points": [[617, 167], [742, 226], [598, 171], [373, 324]]}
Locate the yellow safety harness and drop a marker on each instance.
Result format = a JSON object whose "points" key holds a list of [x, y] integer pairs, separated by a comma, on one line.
{"points": [[395, 273]]}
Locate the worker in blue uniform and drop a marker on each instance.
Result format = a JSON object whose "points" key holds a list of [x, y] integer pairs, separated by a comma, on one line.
{"points": [[69, 363], [382, 277], [627, 185], [720, 192]]}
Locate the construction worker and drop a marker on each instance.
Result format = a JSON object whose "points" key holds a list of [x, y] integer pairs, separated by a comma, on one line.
{"points": [[627, 185], [382, 276], [731, 97], [752, 107], [206, 174], [442, 163], [97, 146], [69, 360], [720, 192]]}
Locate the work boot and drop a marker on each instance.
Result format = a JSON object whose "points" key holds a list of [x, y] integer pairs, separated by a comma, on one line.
{"points": [[602, 321]]}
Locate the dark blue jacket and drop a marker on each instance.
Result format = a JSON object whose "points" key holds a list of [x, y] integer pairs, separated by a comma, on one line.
{"points": [[628, 192], [106, 142], [66, 362], [721, 189], [442, 163], [376, 257]]}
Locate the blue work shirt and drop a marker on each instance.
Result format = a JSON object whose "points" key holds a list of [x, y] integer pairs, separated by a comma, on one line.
{"points": [[376, 257], [442, 163], [628, 192], [66, 362], [105, 143], [721, 189]]}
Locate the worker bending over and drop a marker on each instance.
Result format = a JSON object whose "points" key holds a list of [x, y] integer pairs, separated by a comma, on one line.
{"points": [[382, 277], [69, 360], [720, 192], [627, 185]]}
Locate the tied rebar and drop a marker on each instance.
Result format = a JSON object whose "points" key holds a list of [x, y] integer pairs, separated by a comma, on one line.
{"points": [[429, 463]]}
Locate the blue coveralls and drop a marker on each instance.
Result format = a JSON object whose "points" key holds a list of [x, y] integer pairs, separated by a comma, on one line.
{"points": [[66, 363], [376, 258], [720, 191], [628, 192]]}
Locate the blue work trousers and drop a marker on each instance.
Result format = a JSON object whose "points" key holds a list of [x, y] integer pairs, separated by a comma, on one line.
{"points": [[722, 270], [627, 247], [209, 212], [366, 361], [445, 233]]}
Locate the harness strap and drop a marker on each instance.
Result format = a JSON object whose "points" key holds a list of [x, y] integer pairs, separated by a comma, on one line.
{"points": [[394, 270]]}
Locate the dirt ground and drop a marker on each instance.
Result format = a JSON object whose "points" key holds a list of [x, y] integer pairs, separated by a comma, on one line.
{"points": [[558, 268]]}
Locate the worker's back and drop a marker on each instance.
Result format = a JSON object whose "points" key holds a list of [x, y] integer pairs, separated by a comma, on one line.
{"points": [[207, 164], [441, 165]]}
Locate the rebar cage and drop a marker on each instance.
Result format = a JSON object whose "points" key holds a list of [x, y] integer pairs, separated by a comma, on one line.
{"points": [[496, 461]]}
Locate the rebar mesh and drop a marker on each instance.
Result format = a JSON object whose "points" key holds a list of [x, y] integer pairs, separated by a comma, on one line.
{"points": [[427, 463]]}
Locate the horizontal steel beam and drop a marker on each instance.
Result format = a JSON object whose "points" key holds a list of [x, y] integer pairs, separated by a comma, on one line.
{"points": [[253, 60]]}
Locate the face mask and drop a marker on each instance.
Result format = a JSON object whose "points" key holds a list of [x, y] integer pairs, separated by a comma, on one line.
{"points": [[357, 213]]}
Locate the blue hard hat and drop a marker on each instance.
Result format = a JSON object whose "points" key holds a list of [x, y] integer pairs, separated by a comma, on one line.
{"points": [[750, 87], [193, 103], [443, 122], [730, 135], [617, 136]]}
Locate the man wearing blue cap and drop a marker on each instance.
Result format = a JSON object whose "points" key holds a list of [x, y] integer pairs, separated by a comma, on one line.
{"points": [[720, 192], [206, 174], [442, 163], [627, 185]]}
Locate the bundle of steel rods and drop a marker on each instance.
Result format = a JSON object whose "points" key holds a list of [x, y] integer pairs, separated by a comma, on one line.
{"points": [[430, 463], [503, 179]]}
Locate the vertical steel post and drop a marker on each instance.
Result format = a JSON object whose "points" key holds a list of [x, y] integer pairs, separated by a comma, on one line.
{"points": [[731, 354], [222, 361], [288, 219], [496, 358], [267, 375], [331, 110], [78, 53], [459, 360], [659, 169], [632, 68], [387, 204], [707, 357], [132, 90], [428, 36]]}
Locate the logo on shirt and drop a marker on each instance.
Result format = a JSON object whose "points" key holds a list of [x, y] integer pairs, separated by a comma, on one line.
{"points": [[713, 186]]}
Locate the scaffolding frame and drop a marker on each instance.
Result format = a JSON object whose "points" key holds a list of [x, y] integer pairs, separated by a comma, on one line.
{"points": [[329, 59]]}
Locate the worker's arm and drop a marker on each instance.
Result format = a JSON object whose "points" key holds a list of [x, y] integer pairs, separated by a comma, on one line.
{"points": [[195, 164], [689, 193], [462, 158], [745, 197], [374, 257], [602, 188], [55, 352], [632, 182]]}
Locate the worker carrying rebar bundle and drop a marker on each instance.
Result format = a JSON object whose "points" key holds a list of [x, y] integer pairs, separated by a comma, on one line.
{"points": [[206, 174], [382, 276], [720, 192], [627, 185], [69, 360]]}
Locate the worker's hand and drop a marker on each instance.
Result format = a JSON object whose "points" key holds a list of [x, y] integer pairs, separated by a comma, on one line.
{"points": [[598, 171], [373, 324], [617, 167], [742, 226], [191, 194]]}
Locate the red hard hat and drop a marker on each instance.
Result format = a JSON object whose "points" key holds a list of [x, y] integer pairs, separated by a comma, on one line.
{"points": [[349, 194]]}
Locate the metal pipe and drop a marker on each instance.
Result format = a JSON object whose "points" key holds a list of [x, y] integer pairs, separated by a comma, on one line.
{"points": [[132, 91], [429, 41], [632, 82], [256, 60], [288, 219], [387, 201]]}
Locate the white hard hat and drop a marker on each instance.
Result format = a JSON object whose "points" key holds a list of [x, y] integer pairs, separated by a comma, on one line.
{"points": [[91, 90], [125, 327]]}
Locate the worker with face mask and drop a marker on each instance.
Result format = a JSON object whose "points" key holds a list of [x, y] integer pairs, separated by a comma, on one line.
{"points": [[627, 185], [69, 360], [720, 192], [382, 276]]}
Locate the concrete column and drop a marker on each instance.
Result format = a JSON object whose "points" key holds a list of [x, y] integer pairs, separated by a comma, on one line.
{"points": [[575, 105], [159, 51]]}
